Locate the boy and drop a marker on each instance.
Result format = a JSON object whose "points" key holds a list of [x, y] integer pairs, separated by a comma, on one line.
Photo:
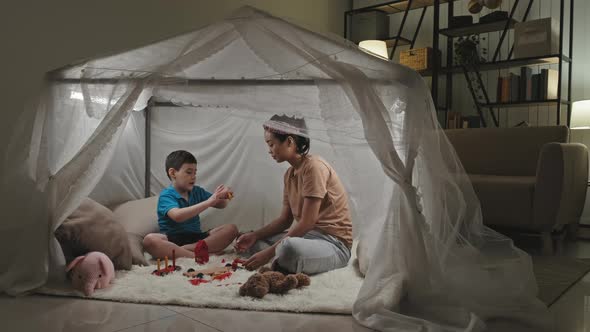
{"points": [[179, 207]]}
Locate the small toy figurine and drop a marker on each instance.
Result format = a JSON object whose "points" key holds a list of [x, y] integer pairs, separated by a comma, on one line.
{"points": [[167, 268]]}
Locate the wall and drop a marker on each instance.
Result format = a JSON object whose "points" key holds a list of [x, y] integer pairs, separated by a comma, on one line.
{"points": [[541, 8], [38, 36]]}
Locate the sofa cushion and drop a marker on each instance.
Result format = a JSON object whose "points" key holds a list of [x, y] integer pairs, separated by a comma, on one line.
{"points": [[505, 200], [138, 217], [504, 151], [92, 227]]}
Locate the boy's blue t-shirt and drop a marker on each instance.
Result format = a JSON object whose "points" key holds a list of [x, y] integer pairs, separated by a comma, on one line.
{"points": [[169, 199]]}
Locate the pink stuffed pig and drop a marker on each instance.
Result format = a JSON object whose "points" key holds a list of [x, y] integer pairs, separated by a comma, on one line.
{"points": [[90, 272]]}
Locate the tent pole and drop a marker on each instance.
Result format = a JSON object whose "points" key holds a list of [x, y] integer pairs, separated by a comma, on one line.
{"points": [[148, 148], [165, 104], [179, 81]]}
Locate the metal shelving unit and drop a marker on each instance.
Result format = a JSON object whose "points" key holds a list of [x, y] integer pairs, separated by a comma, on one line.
{"points": [[560, 59], [449, 69], [513, 63], [405, 6], [478, 28]]}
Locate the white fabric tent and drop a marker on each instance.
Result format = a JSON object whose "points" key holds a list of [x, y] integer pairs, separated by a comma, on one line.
{"points": [[432, 265]]}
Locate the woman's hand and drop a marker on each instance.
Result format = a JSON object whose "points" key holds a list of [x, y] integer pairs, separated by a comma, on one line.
{"points": [[259, 259], [245, 242]]}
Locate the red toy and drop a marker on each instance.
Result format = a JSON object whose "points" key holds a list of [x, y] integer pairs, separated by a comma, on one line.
{"points": [[198, 281], [213, 271], [234, 264], [167, 268], [201, 252], [222, 276], [199, 277], [216, 273]]}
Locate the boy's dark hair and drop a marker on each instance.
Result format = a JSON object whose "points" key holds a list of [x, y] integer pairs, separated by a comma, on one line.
{"points": [[177, 158], [302, 143]]}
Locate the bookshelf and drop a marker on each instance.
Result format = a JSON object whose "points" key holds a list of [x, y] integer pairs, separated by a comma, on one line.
{"points": [[558, 81], [397, 6], [401, 41], [506, 64], [527, 103], [444, 74], [478, 28], [404, 7], [514, 63]]}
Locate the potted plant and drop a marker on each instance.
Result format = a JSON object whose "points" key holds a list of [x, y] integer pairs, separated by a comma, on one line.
{"points": [[467, 55], [467, 51]]}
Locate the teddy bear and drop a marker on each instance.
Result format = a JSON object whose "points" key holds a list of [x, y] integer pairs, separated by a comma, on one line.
{"points": [[267, 281]]}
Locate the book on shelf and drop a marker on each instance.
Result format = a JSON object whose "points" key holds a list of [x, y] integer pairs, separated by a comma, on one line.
{"points": [[526, 84], [514, 87], [536, 81], [499, 89], [503, 93], [549, 81], [543, 84], [454, 120], [505, 89], [471, 121]]}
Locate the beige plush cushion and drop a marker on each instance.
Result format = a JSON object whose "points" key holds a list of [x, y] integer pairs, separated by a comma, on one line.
{"points": [[505, 200], [504, 151], [92, 227], [139, 218]]}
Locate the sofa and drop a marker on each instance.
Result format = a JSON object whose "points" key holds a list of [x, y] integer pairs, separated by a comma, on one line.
{"points": [[528, 179]]}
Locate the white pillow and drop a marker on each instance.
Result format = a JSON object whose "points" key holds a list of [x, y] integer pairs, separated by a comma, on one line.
{"points": [[139, 218]]}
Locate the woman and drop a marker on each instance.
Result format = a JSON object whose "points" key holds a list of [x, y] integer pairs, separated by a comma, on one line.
{"points": [[313, 195]]}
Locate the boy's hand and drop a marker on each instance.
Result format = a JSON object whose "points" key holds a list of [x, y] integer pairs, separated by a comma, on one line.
{"points": [[225, 192], [245, 241], [217, 197]]}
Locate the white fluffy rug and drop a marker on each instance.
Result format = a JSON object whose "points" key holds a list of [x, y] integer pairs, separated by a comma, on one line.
{"points": [[331, 292]]}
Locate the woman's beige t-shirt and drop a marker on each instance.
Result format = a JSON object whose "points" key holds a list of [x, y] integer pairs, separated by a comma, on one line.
{"points": [[316, 178]]}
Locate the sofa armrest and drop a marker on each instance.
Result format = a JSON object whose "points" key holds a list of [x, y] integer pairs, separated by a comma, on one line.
{"points": [[560, 190]]}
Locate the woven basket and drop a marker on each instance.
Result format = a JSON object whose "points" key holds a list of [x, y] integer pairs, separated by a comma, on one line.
{"points": [[417, 59]]}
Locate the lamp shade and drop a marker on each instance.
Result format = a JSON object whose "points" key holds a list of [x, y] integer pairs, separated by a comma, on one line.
{"points": [[375, 47], [580, 114]]}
